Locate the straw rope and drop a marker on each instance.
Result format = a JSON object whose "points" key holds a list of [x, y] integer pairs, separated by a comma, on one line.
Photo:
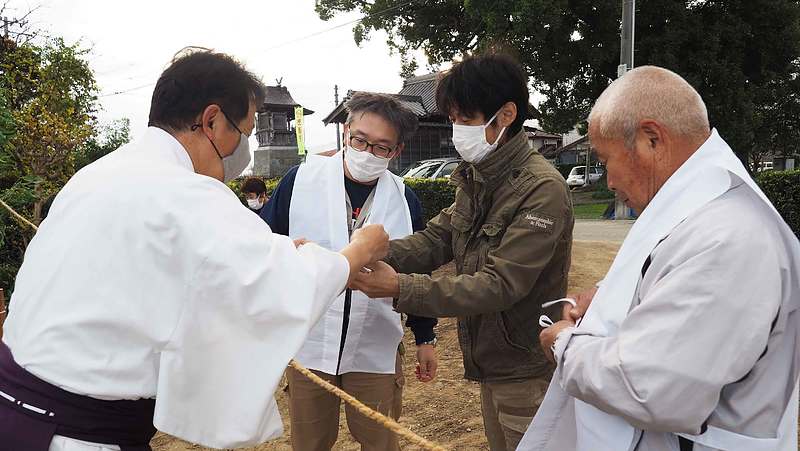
{"points": [[376, 416], [18, 216]]}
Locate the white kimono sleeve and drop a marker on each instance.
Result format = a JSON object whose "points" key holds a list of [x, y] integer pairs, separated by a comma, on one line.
{"points": [[251, 305], [701, 325]]}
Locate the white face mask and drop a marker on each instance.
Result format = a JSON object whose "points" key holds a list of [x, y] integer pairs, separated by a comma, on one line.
{"points": [[363, 166], [254, 204], [234, 164], [470, 141]]}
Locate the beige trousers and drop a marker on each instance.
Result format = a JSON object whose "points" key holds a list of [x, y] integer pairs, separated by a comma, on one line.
{"points": [[508, 408], [315, 412]]}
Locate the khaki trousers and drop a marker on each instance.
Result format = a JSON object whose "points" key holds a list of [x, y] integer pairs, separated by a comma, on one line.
{"points": [[315, 412], [508, 408]]}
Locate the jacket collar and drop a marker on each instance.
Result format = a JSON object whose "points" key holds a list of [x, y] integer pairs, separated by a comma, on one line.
{"points": [[164, 146]]}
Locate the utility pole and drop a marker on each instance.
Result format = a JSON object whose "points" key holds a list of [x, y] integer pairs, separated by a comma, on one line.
{"points": [[336, 104], [621, 211], [588, 164]]}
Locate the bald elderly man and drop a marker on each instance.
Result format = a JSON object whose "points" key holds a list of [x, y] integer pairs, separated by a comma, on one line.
{"points": [[691, 340]]}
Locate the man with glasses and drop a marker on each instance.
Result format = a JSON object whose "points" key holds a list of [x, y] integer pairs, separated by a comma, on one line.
{"points": [[355, 344]]}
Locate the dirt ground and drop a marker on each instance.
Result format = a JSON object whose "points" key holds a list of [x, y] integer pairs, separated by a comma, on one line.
{"points": [[446, 410]]}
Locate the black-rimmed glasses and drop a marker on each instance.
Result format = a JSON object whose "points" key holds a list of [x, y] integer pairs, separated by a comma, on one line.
{"points": [[379, 150]]}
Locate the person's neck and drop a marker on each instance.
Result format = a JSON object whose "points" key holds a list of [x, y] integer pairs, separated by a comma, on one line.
{"points": [[189, 142], [681, 152]]}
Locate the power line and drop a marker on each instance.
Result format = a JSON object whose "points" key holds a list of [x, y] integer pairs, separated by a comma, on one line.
{"points": [[317, 33], [125, 91], [302, 38]]}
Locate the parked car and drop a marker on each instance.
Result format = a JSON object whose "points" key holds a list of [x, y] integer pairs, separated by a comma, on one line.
{"points": [[432, 169], [765, 166], [576, 176]]}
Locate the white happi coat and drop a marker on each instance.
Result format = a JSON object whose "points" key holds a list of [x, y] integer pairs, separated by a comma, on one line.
{"points": [[708, 337], [149, 280], [318, 213]]}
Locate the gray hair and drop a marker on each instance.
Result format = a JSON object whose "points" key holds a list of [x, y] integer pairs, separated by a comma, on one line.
{"points": [[403, 120], [654, 93]]}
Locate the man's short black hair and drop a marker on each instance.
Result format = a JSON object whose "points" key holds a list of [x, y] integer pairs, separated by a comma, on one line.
{"points": [[404, 121], [254, 185], [197, 78], [483, 84]]}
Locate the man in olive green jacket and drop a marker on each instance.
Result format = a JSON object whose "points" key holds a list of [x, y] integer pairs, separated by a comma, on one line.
{"points": [[509, 233]]}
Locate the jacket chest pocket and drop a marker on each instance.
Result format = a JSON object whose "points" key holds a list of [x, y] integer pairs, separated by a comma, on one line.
{"points": [[461, 232], [488, 239]]}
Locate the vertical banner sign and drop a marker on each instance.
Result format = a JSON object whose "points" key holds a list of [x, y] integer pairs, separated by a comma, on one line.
{"points": [[298, 128]]}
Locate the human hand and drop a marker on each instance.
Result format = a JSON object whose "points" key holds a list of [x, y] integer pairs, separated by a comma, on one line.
{"points": [[300, 241], [582, 302], [427, 363], [548, 337], [381, 281], [374, 239]]}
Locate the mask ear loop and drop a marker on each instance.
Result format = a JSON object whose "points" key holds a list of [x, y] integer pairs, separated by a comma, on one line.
{"points": [[194, 127], [545, 320], [489, 123]]}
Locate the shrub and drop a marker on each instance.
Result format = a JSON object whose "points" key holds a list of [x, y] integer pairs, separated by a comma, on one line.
{"points": [[601, 190], [783, 189], [435, 195], [236, 185]]}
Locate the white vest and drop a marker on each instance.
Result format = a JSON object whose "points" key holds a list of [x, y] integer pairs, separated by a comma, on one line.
{"points": [[563, 422], [318, 212]]}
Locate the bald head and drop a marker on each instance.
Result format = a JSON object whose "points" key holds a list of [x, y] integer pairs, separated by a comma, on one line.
{"points": [[649, 93]]}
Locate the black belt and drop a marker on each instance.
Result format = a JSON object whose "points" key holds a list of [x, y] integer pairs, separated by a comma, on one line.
{"points": [[32, 411]]}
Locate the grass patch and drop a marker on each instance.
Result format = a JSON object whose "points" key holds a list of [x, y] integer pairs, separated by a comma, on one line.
{"points": [[590, 211]]}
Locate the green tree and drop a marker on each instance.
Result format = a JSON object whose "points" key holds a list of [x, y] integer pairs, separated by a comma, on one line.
{"points": [[11, 238], [104, 140], [732, 51], [52, 94], [48, 129]]}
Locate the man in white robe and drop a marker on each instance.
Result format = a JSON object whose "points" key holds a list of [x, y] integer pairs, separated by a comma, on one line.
{"points": [[355, 344], [691, 340], [149, 279]]}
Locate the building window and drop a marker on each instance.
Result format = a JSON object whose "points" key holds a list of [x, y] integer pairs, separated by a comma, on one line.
{"points": [[280, 121]]}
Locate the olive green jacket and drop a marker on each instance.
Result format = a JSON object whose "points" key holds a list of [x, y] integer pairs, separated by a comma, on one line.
{"points": [[509, 232]]}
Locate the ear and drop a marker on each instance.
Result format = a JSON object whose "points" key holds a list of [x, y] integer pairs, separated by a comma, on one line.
{"points": [[507, 115], [210, 115], [400, 148], [653, 133]]}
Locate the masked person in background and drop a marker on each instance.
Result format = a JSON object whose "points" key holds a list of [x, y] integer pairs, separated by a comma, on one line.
{"points": [[255, 194], [355, 345], [509, 232], [151, 296]]}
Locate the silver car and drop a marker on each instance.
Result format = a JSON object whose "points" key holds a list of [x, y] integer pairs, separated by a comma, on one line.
{"points": [[432, 169], [575, 177]]}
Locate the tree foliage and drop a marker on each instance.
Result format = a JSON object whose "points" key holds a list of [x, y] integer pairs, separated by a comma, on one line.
{"points": [[104, 140], [48, 130], [741, 55], [52, 93]]}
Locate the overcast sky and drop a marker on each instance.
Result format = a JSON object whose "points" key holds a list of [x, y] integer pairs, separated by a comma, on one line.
{"points": [[132, 41]]}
